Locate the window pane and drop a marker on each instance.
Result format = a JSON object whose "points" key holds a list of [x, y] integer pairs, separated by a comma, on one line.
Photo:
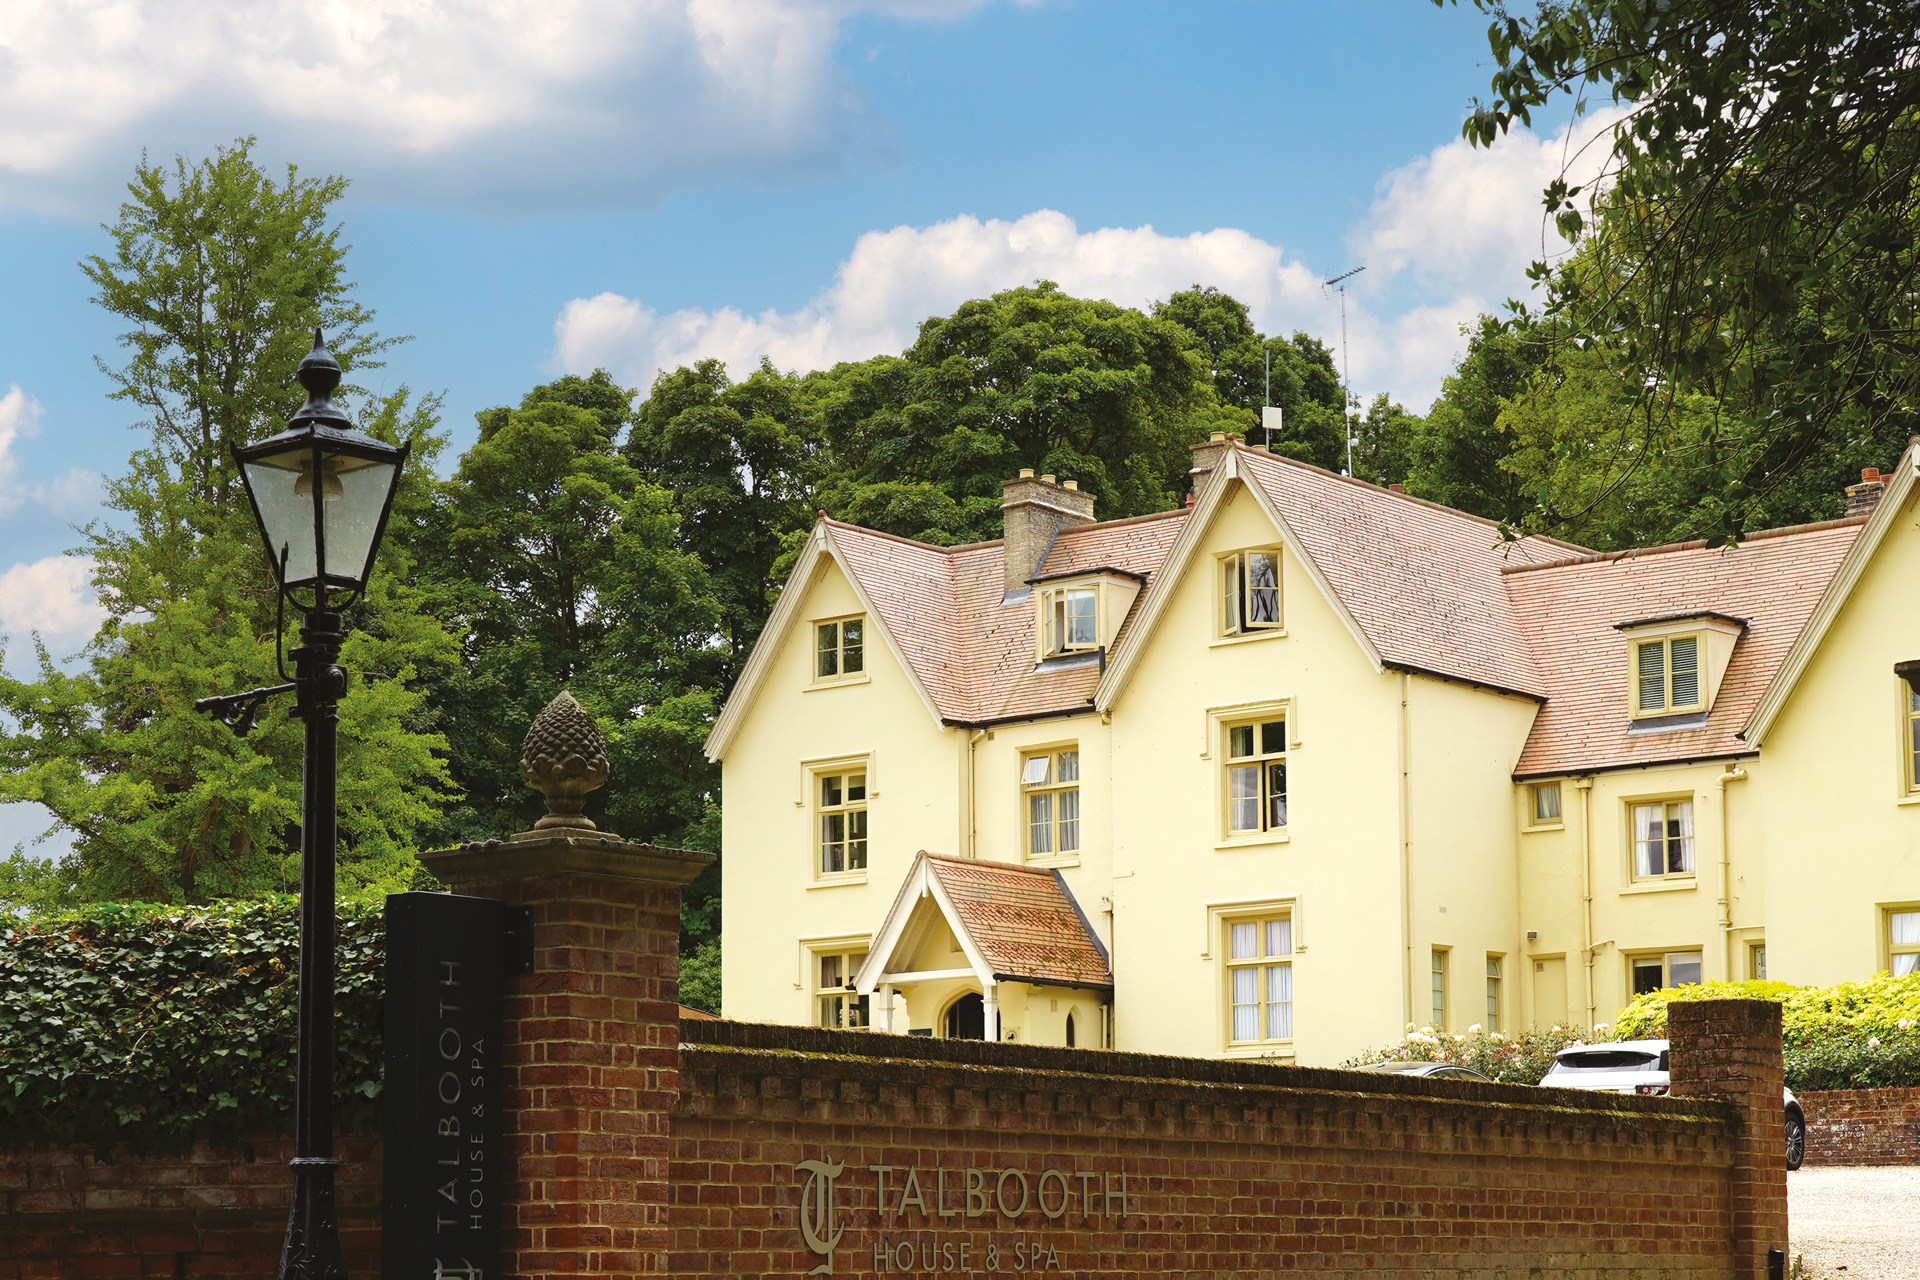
{"points": [[827, 640], [857, 1011], [852, 646], [1493, 993], [830, 790], [829, 972], [1040, 822], [830, 1010], [1906, 963], [1904, 927], [833, 835], [1757, 962], [1069, 766], [1546, 802], [1686, 671], [1245, 937], [1680, 836], [1653, 676], [1246, 1003], [1683, 968], [1649, 843], [1243, 798], [1240, 741], [1080, 629], [857, 840], [1279, 1001], [856, 787], [1057, 629], [1916, 753], [1276, 795], [1280, 937], [1263, 588], [1230, 594], [1069, 821], [1273, 737], [1035, 774], [1646, 976], [1913, 699]]}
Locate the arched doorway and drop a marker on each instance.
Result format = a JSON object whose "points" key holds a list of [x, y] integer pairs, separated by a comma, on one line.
{"points": [[967, 1018]]}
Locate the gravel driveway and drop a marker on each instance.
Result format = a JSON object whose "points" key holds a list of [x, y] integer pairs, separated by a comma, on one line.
{"points": [[1855, 1223]]}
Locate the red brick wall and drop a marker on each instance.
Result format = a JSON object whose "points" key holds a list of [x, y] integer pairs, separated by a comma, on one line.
{"points": [[1862, 1126], [1232, 1169], [214, 1212]]}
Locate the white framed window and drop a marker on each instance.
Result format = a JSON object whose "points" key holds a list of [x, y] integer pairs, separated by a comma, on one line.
{"points": [[1259, 971], [1669, 969], [1666, 676], [1493, 993], [1050, 786], [841, 813], [839, 648], [1911, 700], [1069, 620], [1903, 941], [1662, 839], [1250, 592], [1543, 804], [1757, 961], [1439, 989], [835, 1002], [1256, 777]]}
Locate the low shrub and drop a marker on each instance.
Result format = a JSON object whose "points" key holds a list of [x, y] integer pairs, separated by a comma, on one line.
{"points": [[1520, 1058], [1852, 1035], [159, 1026]]}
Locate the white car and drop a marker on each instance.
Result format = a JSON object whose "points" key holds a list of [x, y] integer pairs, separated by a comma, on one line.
{"points": [[1640, 1066]]}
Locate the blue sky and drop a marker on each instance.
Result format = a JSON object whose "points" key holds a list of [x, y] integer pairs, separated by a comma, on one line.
{"points": [[545, 188]]}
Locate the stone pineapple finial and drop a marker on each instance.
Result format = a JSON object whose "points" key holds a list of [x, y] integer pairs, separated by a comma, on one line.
{"points": [[563, 758]]}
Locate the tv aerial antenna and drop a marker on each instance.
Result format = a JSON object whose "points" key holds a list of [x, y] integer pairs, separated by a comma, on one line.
{"points": [[1346, 368]]}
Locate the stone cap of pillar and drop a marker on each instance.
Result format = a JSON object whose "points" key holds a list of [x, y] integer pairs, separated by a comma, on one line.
{"points": [[542, 855]]}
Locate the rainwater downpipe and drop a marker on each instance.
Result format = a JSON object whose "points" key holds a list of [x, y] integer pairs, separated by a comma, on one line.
{"points": [[973, 820], [1585, 787], [1406, 855], [1734, 773]]}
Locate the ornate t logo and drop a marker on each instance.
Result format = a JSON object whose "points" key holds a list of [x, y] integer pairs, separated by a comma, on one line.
{"points": [[816, 1211]]}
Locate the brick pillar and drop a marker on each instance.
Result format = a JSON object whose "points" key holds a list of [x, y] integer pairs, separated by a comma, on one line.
{"points": [[593, 1040], [1730, 1049]]}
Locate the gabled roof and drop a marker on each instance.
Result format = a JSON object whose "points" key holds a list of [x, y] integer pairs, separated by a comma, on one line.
{"points": [[1013, 923], [1570, 614]]}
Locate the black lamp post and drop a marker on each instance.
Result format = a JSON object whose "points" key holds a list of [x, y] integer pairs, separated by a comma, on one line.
{"points": [[321, 491]]}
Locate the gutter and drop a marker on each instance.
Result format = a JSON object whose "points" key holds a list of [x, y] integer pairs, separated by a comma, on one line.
{"points": [[1446, 677], [1596, 770], [1057, 713]]}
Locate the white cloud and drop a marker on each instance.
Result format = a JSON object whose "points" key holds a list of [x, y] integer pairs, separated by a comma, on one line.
{"points": [[526, 104], [53, 597], [70, 494]]}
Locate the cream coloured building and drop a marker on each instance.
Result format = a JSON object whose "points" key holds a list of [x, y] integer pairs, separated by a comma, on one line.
{"points": [[1278, 773]]}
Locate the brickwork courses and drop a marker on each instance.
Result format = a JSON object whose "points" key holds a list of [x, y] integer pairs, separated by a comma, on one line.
{"points": [[1862, 1126]]}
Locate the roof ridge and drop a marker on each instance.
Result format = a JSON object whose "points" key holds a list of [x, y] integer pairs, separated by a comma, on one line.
{"points": [[894, 537], [1693, 544], [993, 542], [993, 862], [1123, 520], [1394, 493]]}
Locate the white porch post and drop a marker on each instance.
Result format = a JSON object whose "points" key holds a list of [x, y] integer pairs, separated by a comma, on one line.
{"points": [[883, 1007], [990, 999]]}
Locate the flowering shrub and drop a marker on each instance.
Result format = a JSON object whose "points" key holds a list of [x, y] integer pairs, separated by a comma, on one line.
{"points": [[1520, 1058], [1852, 1035]]}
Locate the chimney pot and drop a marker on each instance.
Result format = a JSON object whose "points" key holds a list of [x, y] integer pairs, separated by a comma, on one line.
{"points": [[1070, 484], [1862, 498], [1046, 480], [1189, 497], [1026, 473], [1216, 437], [1394, 488], [1868, 474]]}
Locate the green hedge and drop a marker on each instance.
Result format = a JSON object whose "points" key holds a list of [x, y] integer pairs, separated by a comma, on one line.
{"points": [[157, 1027], [1520, 1058], [1852, 1035]]}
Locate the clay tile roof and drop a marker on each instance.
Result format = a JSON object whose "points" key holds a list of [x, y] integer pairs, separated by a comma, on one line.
{"points": [[1569, 612], [1024, 921], [1422, 581]]}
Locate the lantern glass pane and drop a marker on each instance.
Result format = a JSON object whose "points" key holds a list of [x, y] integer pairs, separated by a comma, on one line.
{"points": [[286, 517], [353, 519]]}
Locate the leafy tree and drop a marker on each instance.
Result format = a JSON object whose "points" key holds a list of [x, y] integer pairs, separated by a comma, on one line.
{"points": [[1385, 441], [223, 275], [1756, 233], [1456, 456]]}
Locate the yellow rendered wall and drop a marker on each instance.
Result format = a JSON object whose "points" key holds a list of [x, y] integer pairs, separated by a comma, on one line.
{"points": [[1837, 833], [772, 901], [1341, 860]]}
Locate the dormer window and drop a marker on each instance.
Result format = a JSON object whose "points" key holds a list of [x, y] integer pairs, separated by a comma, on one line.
{"points": [[1250, 592], [1667, 676], [1072, 620]]}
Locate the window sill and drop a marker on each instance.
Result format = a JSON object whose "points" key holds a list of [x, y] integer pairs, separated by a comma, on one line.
{"points": [[839, 881], [838, 682], [1279, 1050], [1272, 633], [1678, 885], [1544, 826], [1253, 842], [1911, 799], [1072, 860]]}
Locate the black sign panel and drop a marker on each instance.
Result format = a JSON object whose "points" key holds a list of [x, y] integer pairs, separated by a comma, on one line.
{"points": [[446, 958]]}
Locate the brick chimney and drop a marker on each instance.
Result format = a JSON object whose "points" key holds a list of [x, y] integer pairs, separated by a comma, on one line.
{"points": [[1862, 498], [1032, 511], [1207, 456]]}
